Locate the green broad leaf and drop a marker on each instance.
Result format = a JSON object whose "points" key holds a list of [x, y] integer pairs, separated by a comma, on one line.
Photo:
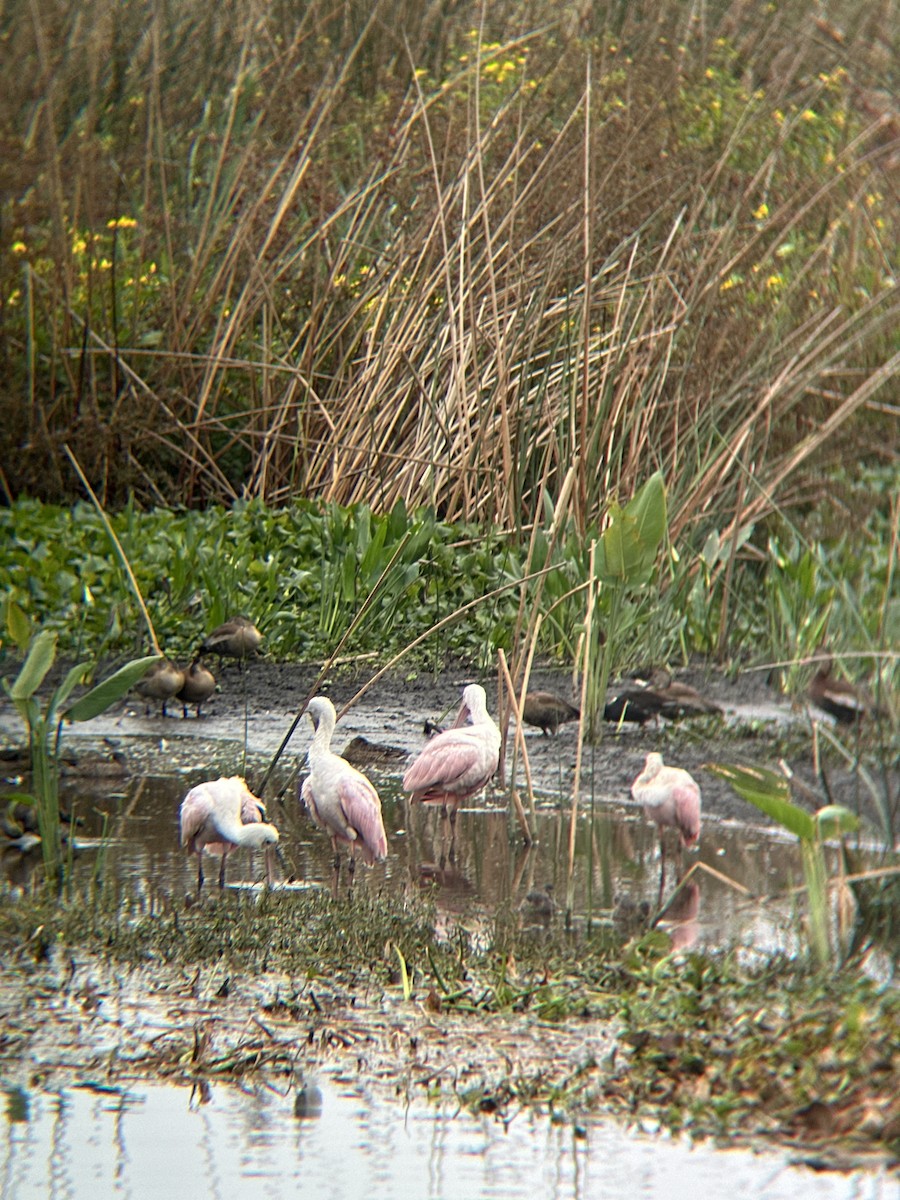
{"points": [[648, 511], [99, 698], [66, 688], [34, 669], [630, 543], [768, 792], [816, 879], [29, 710], [18, 625], [834, 820]]}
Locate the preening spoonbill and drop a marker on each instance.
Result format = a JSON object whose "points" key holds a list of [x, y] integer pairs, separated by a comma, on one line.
{"points": [[458, 762], [671, 798], [221, 816], [340, 798]]}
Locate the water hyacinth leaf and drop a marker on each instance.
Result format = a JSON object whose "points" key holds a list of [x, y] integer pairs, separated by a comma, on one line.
{"points": [[18, 625], [648, 510], [628, 546], [35, 667], [99, 698], [835, 820], [74, 676], [768, 792]]}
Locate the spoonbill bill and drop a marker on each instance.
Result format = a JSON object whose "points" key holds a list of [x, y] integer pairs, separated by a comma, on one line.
{"points": [[223, 815], [458, 762], [340, 798]]}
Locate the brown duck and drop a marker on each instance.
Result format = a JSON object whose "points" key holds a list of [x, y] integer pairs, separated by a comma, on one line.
{"points": [[199, 684], [633, 703], [360, 752], [678, 699], [837, 697], [237, 637], [547, 711], [162, 682]]}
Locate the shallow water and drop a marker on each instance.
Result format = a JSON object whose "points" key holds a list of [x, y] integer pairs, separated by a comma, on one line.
{"points": [[486, 870], [157, 1140]]}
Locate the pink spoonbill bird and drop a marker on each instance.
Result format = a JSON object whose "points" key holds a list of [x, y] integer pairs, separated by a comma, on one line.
{"points": [[671, 798], [220, 816], [458, 762], [340, 798]]}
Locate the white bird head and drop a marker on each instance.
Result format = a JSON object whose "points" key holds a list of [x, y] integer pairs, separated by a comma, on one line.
{"points": [[653, 765], [320, 711], [474, 705]]}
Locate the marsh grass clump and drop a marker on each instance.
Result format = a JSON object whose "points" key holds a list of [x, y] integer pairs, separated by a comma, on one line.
{"points": [[334, 263]]}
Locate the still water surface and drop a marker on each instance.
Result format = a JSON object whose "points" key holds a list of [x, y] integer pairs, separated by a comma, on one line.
{"points": [[158, 1141]]}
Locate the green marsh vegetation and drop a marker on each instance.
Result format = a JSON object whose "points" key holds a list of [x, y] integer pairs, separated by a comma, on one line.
{"points": [[332, 316]]}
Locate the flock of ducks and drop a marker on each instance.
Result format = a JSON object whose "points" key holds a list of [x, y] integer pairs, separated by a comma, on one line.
{"points": [[223, 815], [164, 682]]}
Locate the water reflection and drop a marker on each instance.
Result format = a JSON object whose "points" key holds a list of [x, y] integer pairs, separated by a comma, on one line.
{"points": [[489, 871], [152, 1140]]}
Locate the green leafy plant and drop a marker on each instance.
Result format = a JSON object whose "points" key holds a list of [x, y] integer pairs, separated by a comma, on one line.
{"points": [[626, 555], [770, 793], [44, 728]]}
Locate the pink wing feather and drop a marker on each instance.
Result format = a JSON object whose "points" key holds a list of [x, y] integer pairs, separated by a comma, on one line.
{"points": [[687, 812], [448, 763], [362, 810]]}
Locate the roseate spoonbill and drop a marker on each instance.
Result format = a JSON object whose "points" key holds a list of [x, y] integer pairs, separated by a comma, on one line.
{"points": [[199, 684], [839, 698], [548, 711], [221, 816], [238, 637], [162, 682], [678, 699], [671, 798], [340, 798], [458, 762]]}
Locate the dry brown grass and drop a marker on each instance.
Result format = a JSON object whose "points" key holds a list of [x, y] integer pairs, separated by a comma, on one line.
{"points": [[417, 265]]}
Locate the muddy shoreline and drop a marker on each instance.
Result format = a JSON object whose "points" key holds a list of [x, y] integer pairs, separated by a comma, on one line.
{"points": [[259, 703]]}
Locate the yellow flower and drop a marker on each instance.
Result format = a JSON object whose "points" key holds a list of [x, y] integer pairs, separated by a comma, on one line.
{"points": [[778, 116], [19, 248], [809, 115], [121, 223], [762, 212], [709, 73], [774, 281]]}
